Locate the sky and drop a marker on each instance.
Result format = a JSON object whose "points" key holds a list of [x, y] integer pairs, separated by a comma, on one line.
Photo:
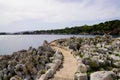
{"points": [[23, 15]]}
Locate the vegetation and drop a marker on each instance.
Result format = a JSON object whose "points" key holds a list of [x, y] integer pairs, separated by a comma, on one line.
{"points": [[109, 27]]}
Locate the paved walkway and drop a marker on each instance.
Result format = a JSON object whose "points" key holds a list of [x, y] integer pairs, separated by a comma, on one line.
{"points": [[68, 68]]}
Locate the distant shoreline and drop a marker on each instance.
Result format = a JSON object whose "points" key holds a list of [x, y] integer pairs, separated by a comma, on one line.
{"points": [[114, 36]]}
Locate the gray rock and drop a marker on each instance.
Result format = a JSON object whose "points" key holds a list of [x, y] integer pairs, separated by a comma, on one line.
{"points": [[27, 77], [49, 73], [56, 64], [5, 77], [115, 58], [49, 65], [54, 67], [57, 61], [15, 78], [51, 58], [101, 62], [58, 55], [102, 75], [117, 64], [75, 46], [82, 68], [81, 76], [102, 50], [43, 77], [78, 58], [1, 75]]}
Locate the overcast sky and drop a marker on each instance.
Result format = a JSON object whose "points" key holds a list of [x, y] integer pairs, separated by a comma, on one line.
{"points": [[22, 15]]}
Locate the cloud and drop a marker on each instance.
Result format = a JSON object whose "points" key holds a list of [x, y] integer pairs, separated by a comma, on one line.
{"points": [[57, 11]]}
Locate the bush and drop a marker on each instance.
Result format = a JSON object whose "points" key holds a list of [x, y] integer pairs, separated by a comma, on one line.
{"points": [[42, 72]]}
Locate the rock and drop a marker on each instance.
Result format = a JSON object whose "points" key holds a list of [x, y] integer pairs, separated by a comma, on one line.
{"points": [[43, 77], [27, 77], [82, 68], [51, 58], [49, 65], [46, 47], [58, 55], [102, 75], [15, 78], [34, 70], [49, 73], [79, 60], [95, 53], [86, 61], [75, 46], [115, 58], [109, 47], [94, 63], [23, 50], [54, 67], [81, 76], [117, 64], [101, 62], [86, 55], [60, 41], [56, 64], [57, 61], [45, 43], [98, 45], [5, 71], [102, 50], [19, 69], [5, 77]]}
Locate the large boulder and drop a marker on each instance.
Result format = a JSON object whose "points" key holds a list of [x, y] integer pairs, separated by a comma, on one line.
{"points": [[81, 76], [102, 75]]}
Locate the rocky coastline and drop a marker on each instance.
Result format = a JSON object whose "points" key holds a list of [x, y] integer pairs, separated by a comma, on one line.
{"points": [[31, 64], [97, 58]]}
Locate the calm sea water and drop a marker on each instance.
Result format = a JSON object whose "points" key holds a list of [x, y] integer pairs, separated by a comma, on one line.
{"points": [[12, 43]]}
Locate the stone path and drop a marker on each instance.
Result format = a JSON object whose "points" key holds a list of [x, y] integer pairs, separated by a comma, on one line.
{"points": [[68, 68]]}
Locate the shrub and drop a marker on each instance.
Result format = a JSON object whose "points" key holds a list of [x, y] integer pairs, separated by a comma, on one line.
{"points": [[42, 72]]}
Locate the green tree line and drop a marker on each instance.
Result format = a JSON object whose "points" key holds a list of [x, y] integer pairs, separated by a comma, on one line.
{"points": [[108, 27]]}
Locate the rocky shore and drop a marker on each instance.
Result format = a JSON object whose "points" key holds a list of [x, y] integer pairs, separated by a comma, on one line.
{"points": [[97, 58], [31, 64]]}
